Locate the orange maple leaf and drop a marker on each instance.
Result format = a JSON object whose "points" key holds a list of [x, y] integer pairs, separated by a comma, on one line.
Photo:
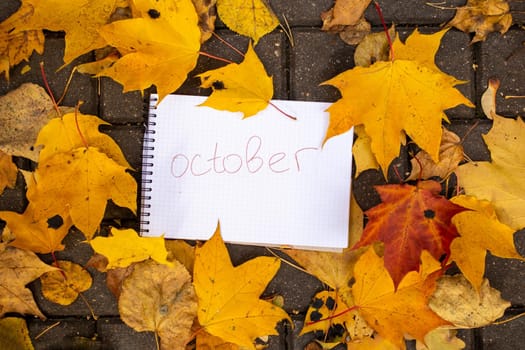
{"points": [[393, 313], [410, 219]]}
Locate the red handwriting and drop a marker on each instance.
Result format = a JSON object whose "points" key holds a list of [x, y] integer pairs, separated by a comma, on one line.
{"points": [[250, 160]]}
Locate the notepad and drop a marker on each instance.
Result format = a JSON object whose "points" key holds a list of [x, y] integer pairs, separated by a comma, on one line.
{"points": [[268, 179]]}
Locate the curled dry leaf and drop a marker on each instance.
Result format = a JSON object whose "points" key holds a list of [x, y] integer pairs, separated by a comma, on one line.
{"points": [[488, 99], [254, 20], [17, 268], [8, 172], [483, 17], [160, 299], [374, 47], [14, 334], [244, 87], [456, 301], [25, 111], [125, 247], [63, 287], [347, 19], [450, 155]]}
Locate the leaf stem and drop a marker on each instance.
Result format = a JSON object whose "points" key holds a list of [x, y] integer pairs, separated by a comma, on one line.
{"points": [[283, 112], [215, 57], [46, 84], [227, 44], [84, 142], [388, 38], [355, 307]]}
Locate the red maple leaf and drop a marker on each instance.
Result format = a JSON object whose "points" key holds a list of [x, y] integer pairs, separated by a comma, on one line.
{"points": [[410, 219]]}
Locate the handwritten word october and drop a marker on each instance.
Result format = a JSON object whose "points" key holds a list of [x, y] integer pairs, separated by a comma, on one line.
{"points": [[250, 160]]}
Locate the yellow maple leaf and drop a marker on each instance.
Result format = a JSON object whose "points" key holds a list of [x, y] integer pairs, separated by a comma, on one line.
{"points": [[79, 183], [483, 17], [18, 267], [79, 19], [480, 230], [394, 98], [244, 87], [500, 181], [36, 234], [63, 287], [393, 313], [160, 48], [229, 304], [125, 247], [254, 18], [62, 135], [8, 172], [161, 299]]}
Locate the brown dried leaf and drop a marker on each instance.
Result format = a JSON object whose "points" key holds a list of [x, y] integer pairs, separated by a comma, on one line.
{"points": [[17, 268], [161, 299], [450, 155], [24, 112], [344, 13], [483, 17], [115, 278], [374, 47]]}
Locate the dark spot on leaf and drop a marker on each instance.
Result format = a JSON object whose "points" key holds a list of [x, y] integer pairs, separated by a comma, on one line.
{"points": [[163, 309], [218, 85], [316, 316], [442, 258], [31, 148], [153, 13], [317, 303], [330, 303], [207, 2], [55, 222], [430, 214], [351, 282], [336, 331]]}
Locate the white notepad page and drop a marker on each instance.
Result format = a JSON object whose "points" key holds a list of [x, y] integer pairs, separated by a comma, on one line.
{"points": [[268, 179]]}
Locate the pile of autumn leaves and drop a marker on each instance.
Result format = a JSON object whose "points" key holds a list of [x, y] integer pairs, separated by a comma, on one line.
{"points": [[389, 285]]}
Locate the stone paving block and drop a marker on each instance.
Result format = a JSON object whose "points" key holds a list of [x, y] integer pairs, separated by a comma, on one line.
{"points": [[270, 50], [14, 199], [315, 58], [508, 336], [116, 335], [503, 273], [300, 12], [117, 107], [82, 88], [98, 296], [503, 57], [7, 8], [473, 144], [70, 333]]}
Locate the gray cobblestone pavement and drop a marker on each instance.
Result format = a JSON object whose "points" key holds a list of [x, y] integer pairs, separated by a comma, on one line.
{"points": [[297, 71]]}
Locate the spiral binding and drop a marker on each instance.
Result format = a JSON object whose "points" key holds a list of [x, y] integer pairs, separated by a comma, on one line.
{"points": [[147, 164]]}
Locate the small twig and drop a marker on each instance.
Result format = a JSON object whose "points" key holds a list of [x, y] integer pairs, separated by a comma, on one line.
{"points": [[515, 317], [47, 330], [67, 85], [287, 262], [287, 31], [88, 305], [507, 97], [469, 131], [436, 5]]}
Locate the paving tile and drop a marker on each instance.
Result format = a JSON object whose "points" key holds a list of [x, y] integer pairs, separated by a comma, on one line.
{"points": [[116, 335], [315, 58], [64, 333], [508, 336], [82, 88], [503, 57], [117, 107]]}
